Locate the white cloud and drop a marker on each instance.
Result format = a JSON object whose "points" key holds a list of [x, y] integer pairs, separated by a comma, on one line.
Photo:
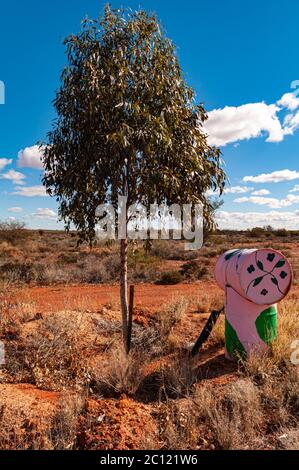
{"points": [[45, 213], [274, 177], [261, 192], [245, 220], [31, 191], [30, 157], [230, 190], [17, 210], [291, 123], [232, 124], [237, 190], [289, 101], [15, 176], [295, 189], [5, 162], [274, 203], [211, 193]]}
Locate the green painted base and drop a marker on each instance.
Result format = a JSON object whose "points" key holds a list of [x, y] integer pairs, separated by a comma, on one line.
{"points": [[266, 325]]}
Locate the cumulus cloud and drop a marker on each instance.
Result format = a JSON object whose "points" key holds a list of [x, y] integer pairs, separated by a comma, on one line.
{"points": [[5, 162], [274, 177], [30, 157], [295, 189], [15, 176], [289, 101], [260, 192], [17, 210], [272, 202], [233, 124], [291, 123], [45, 213], [31, 191], [230, 190], [247, 220], [237, 190]]}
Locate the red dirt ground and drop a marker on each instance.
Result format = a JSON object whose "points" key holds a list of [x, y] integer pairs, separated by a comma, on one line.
{"points": [[124, 423], [149, 296]]}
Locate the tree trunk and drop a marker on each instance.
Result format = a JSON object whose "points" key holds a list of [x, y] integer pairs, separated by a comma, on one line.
{"points": [[124, 290]]}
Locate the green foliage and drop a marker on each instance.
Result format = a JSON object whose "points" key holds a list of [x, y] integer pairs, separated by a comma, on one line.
{"points": [[170, 278], [256, 232], [127, 124], [194, 270], [282, 232]]}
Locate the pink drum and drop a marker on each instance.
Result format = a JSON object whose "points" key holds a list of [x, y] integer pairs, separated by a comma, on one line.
{"points": [[254, 280]]}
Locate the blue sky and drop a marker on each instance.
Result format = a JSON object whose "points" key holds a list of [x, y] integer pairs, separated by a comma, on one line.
{"points": [[242, 58]]}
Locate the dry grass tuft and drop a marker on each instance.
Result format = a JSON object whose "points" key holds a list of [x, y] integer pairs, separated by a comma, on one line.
{"points": [[51, 356], [178, 425], [121, 373], [63, 432], [12, 315], [178, 377], [171, 315], [236, 413], [288, 439], [288, 330], [217, 337]]}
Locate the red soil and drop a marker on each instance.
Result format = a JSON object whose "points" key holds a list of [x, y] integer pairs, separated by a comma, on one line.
{"points": [[149, 296]]}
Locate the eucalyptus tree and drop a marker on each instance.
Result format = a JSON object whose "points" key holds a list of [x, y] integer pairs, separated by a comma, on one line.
{"points": [[127, 125]]}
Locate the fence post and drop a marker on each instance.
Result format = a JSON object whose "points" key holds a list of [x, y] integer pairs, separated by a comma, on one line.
{"points": [[130, 318]]}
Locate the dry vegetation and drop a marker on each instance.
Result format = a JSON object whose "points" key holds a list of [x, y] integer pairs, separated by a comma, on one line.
{"points": [[66, 383], [50, 258]]}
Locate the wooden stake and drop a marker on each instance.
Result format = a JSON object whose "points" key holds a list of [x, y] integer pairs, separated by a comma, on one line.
{"points": [[130, 318]]}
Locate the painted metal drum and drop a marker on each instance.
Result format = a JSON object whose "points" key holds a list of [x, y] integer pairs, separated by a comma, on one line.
{"points": [[254, 280], [263, 276]]}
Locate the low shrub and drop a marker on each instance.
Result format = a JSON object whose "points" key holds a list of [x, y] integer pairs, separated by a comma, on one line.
{"points": [[52, 356], [170, 278], [16, 272], [194, 270], [256, 232], [282, 233], [13, 232]]}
